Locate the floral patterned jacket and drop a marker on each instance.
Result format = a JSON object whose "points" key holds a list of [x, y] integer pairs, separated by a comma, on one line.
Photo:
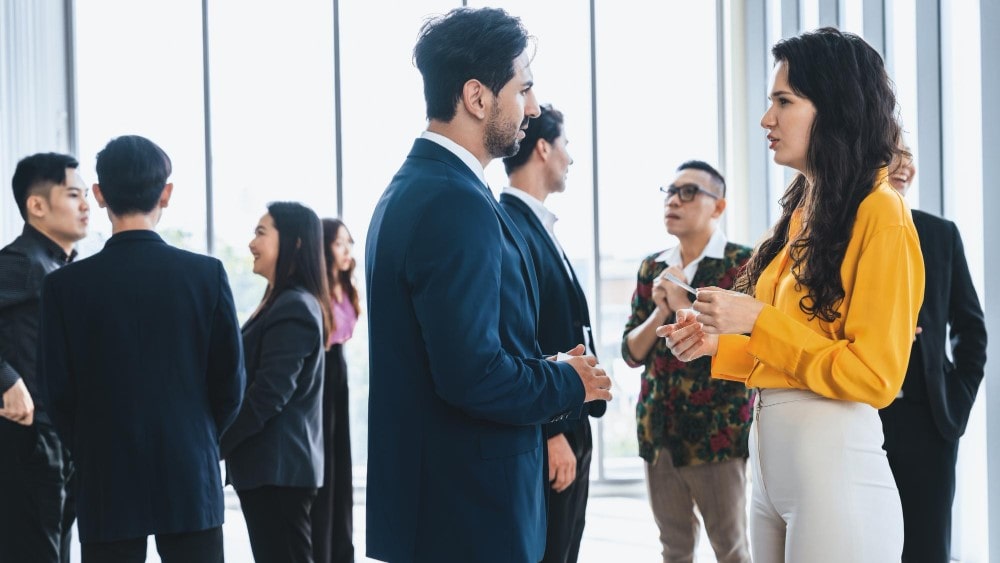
{"points": [[681, 408]]}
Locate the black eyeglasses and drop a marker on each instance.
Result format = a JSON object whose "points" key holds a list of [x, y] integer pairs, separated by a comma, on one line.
{"points": [[686, 192]]}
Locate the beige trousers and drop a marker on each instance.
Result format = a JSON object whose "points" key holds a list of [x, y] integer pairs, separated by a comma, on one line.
{"points": [[719, 491]]}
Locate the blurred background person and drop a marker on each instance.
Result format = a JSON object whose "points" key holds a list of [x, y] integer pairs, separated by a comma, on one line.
{"points": [[692, 428], [824, 318], [332, 518], [35, 470], [274, 448], [923, 424], [141, 365], [537, 170]]}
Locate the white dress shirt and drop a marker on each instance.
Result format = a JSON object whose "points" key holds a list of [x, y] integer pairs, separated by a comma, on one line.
{"points": [[458, 150], [716, 248]]}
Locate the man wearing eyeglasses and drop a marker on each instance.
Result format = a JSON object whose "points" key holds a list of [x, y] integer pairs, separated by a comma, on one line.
{"points": [[692, 429]]}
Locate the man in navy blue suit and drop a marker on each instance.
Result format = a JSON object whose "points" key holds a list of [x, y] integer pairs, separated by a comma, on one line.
{"points": [[458, 384], [538, 169], [141, 365]]}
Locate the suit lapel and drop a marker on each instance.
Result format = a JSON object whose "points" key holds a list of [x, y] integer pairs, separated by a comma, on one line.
{"points": [[557, 256]]}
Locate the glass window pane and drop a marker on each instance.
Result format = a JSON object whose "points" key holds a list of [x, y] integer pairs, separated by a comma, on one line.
{"points": [[383, 112], [153, 88], [645, 129], [271, 73]]}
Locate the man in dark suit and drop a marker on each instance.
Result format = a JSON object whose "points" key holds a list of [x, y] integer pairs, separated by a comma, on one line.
{"points": [[35, 471], [141, 366], [923, 425], [459, 387], [538, 169]]}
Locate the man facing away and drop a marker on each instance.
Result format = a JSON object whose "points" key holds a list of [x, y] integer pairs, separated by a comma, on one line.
{"points": [[692, 429], [923, 425], [35, 470], [459, 387], [538, 169], [141, 365]]}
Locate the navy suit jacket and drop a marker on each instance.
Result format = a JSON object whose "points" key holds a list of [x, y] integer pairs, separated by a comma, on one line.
{"points": [[277, 439], [564, 317], [950, 301], [141, 365], [458, 385]]}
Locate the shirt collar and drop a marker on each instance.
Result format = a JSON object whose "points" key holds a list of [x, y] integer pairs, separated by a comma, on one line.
{"points": [[458, 150], [50, 247], [716, 248], [547, 217]]}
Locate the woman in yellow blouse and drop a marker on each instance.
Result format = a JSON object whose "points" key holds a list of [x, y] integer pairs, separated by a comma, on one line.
{"points": [[826, 313]]}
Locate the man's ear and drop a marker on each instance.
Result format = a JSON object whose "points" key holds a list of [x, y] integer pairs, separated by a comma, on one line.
{"points": [[720, 206], [165, 196], [475, 98], [543, 149], [36, 206], [96, 190]]}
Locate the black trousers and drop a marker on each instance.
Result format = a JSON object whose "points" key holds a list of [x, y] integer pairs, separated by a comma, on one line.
{"points": [[332, 512], [923, 465], [278, 523], [36, 504], [567, 511], [203, 546]]}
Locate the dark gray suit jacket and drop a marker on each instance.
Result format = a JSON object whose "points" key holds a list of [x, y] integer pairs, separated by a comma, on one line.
{"points": [[950, 302], [140, 364], [277, 438]]}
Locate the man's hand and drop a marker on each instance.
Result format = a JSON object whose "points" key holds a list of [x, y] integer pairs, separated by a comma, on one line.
{"points": [[562, 463], [687, 339], [596, 382], [17, 404], [677, 296]]}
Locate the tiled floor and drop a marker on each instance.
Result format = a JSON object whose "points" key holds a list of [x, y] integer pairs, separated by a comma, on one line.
{"points": [[620, 527]]}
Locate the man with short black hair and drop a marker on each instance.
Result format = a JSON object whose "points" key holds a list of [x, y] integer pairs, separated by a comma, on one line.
{"points": [[459, 387], [536, 171], [36, 510], [692, 429], [141, 364]]}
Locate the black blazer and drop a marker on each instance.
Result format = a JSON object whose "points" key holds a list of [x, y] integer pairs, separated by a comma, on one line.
{"points": [[563, 315], [277, 438], [949, 300], [141, 365]]}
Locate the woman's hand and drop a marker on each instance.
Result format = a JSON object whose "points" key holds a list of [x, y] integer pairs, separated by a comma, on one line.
{"points": [[687, 339], [721, 311]]}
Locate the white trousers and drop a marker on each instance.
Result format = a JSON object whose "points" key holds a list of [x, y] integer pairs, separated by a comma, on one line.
{"points": [[822, 488]]}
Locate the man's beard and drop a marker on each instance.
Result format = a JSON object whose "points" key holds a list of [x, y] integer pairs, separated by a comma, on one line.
{"points": [[501, 140]]}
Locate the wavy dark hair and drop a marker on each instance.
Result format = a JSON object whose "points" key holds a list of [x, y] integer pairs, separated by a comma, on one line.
{"points": [[344, 279], [853, 135], [300, 257]]}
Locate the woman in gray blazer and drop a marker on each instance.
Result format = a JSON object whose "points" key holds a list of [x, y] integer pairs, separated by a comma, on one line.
{"points": [[274, 449]]}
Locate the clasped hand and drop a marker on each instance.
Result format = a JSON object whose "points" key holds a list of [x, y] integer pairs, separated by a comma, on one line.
{"points": [[716, 311], [596, 383]]}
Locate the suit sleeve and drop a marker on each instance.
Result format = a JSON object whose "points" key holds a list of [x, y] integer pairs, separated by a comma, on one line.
{"points": [[289, 338], [968, 327], [14, 290], [453, 267], [56, 380], [226, 375]]}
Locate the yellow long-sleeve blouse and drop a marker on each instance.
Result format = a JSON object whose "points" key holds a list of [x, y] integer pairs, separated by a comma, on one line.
{"points": [[862, 355]]}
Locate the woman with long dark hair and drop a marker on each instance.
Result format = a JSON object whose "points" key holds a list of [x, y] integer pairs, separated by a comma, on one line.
{"points": [[274, 449], [827, 314], [332, 519]]}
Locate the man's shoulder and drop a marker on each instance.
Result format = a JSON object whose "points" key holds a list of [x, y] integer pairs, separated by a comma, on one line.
{"points": [[928, 221], [738, 252]]}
